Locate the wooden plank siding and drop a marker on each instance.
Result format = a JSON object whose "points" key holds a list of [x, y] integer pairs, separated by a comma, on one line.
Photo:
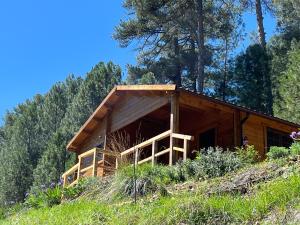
{"points": [[129, 109], [133, 107], [255, 128]]}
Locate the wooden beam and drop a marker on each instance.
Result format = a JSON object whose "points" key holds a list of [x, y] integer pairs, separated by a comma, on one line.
{"points": [[174, 124], [159, 87]]}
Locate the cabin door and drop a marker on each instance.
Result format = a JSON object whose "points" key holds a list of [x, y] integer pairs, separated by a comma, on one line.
{"points": [[207, 139]]}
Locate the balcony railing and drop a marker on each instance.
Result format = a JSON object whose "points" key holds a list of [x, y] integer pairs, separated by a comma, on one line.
{"points": [[100, 164], [153, 142], [103, 161]]}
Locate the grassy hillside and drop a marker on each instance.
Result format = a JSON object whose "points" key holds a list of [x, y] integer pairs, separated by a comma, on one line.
{"points": [[266, 192]]}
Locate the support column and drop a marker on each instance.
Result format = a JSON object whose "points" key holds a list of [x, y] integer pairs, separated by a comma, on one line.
{"points": [[174, 124]]}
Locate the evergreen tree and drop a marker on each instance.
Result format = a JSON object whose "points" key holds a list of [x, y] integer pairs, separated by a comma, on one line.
{"points": [[289, 88], [175, 37], [92, 90], [249, 84]]}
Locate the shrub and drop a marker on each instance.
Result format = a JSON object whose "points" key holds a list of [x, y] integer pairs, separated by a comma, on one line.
{"points": [[45, 197], [247, 155], [278, 152], [295, 148], [148, 179], [75, 191], [214, 162]]}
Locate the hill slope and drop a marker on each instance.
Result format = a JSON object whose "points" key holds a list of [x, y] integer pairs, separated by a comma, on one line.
{"points": [[264, 193]]}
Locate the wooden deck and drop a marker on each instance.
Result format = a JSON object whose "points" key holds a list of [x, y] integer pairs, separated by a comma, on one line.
{"points": [[100, 162]]}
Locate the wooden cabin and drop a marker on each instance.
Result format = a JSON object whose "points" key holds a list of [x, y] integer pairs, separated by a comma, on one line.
{"points": [[164, 124]]}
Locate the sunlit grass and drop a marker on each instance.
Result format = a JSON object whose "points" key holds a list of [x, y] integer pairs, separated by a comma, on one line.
{"points": [[189, 208]]}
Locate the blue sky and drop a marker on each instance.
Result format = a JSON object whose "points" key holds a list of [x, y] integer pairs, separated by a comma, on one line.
{"points": [[41, 42]]}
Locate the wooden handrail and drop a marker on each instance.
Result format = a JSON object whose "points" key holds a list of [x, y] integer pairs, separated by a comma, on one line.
{"points": [[147, 143], [153, 141], [71, 170], [87, 153], [182, 136]]}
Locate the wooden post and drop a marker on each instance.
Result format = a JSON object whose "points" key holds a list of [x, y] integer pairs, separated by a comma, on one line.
{"points": [[237, 128], [65, 181], [174, 123], [185, 147], [136, 157], [95, 163], [79, 168], [117, 162], [154, 150]]}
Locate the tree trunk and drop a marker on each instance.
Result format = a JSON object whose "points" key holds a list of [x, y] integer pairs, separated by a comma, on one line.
{"points": [[260, 23], [192, 67], [177, 62], [200, 42], [225, 71]]}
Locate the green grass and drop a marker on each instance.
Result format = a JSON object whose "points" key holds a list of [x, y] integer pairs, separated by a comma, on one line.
{"points": [[185, 207]]}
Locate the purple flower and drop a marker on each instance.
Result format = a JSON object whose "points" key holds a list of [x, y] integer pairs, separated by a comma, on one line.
{"points": [[52, 185], [295, 135]]}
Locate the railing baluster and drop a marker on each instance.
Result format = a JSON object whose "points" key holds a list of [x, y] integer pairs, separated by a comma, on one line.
{"points": [[171, 150], [79, 167], [136, 157], [154, 150], [185, 147], [95, 163]]}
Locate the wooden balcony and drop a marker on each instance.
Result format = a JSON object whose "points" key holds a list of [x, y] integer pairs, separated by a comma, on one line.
{"points": [[99, 162]]}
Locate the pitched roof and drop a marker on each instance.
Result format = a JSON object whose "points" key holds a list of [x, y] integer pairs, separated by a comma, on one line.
{"points": [[118, 91]]}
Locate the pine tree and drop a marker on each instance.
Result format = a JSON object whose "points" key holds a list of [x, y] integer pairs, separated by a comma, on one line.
{"points": [[289, 88], [248, 81]]}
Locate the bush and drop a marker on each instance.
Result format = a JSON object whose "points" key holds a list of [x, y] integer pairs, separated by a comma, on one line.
{"points": [[216, 162], [75, 191], [278, 152], [148, 179], [247, 155], [295, 148], [45, 197]]}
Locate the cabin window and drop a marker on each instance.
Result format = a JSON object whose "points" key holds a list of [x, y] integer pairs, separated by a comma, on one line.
{"points": [[207, 139], [278, 138]]}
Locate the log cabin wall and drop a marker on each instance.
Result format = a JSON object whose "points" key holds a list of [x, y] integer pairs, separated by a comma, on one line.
{"points": [[129, 108], [194, 123], [133, 107], [255, 128]]}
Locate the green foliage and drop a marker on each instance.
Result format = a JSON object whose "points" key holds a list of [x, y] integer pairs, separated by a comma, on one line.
{"points": [[44, 197], [278, 152], [35, 133], [216, 162], [295, 148], [288, 106], [182, 208], [251, 79], [209, 164], [248, 155], [148, 179]]}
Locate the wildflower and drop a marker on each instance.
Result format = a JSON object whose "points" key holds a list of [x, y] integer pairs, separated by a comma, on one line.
{"points": [[26, 194], [52, 185], [295, 135]]}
